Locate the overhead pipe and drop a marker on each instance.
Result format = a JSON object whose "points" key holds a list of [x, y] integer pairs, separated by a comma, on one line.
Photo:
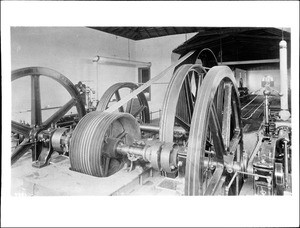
{"points": [[284, 113], [125, 62]]}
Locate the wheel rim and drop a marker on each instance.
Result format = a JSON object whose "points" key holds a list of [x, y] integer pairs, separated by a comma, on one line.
{"points": [[216, 118], [37, 124], [139, 110], [178, 107]]}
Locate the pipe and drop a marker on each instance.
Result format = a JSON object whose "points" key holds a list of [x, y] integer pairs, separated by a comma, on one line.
{"points": [[286, 162], [111, 60], [266, 115], [284, 113]]}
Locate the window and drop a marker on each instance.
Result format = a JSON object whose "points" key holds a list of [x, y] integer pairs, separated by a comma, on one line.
{"points": [[143, 77]]}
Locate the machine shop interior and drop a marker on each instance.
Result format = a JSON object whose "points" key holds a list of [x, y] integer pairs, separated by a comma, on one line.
{"points": [[151, 111]]}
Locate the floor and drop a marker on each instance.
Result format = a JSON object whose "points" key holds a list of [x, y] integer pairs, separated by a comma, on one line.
{"points": [[57, 179]]}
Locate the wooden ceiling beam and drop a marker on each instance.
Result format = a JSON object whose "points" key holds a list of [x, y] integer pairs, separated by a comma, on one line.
{"points": [[259, 36], [201, 43], [166, 31], [223, 31], [146, 31]]}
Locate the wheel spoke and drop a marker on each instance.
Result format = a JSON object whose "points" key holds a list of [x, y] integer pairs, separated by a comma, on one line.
{"points": [[20, 128], [214, 180], [139, 111], [106, 166], [36, 113], [234, 142], [182, 123], [129, 106], [60, 113], [216, 133], [226, 115], [198, 81], [188, 99], [236, 114], [190, 93], [121, 135], [20, 150], [219, 101]]}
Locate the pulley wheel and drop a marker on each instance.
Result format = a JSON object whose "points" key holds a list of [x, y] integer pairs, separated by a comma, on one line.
{"points": [[37, 124], [91, 149], [180, 98], [215, 131], [137, 106]]}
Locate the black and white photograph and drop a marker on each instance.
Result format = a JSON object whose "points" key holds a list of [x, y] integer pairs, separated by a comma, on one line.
{"points": [[140, 116]]}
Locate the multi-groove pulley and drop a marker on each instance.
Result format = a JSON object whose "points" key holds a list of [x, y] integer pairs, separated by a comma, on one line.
{"points": [[102, 142]]}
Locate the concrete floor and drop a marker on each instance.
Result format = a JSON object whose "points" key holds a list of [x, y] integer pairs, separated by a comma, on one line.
{"points": [[57, 179]]}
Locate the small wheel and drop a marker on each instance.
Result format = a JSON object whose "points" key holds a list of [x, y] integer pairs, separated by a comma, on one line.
{"points": [[93, 140], [216, 131], [180, 98], [37, 124], [138, 106]]}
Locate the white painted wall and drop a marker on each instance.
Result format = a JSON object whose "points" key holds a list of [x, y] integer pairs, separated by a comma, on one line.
{"points": [[68, 50]]}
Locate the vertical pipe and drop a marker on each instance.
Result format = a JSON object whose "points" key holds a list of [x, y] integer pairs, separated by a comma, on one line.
{"points": [[286, 162], [97, 81], [237, 184], [266, 114], [96, 61], [284, 113]]}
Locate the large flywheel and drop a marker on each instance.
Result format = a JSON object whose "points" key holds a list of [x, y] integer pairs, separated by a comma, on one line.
{"points": [[180, 98], [215, 137], [137, 106], [30, 132]]}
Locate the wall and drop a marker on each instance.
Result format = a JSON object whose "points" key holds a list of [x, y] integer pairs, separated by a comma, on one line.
{"points": [[68, 50], [254, 78]]}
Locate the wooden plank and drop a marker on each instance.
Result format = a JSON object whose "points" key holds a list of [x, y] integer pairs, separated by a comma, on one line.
{"points": [[147, 84]]}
